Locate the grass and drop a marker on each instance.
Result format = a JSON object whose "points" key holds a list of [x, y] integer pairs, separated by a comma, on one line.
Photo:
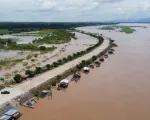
{"points": [[127, 30], [4, 31]]}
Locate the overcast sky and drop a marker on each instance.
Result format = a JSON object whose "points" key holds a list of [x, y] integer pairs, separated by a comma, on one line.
{"points": [[72, 10]]}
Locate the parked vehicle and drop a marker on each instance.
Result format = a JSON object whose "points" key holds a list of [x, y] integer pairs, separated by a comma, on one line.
{"points": [[5, 92]]}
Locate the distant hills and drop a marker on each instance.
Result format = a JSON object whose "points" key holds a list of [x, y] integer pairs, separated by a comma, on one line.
{"points": [[142, 20]]}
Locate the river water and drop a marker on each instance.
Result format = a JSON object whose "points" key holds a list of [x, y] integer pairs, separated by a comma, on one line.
{"points": [[118, 90]]}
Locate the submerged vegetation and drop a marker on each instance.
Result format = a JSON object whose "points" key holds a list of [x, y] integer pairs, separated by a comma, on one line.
{"points": [[127, 30], [108, 28]]}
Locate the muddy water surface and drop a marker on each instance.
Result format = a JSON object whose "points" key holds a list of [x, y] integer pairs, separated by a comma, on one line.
{"points": [[118, 90]]}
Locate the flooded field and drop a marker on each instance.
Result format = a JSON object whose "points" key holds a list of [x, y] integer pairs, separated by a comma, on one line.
{"points": [[63, 50], [118, 90], [21, 39]]}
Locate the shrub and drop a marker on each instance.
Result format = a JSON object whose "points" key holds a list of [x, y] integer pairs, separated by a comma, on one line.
{"points": [[25, 63], [53, 83], [36, 55], [49, 87], [17, 78], [32, 60]]}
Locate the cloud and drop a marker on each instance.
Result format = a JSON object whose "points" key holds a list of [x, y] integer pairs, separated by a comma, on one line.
{"points": [[72, 10]]}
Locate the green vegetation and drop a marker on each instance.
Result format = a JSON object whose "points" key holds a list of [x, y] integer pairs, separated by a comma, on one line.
{"points": [[55, 37], [127, 30], [4, 31], [18, 78], [108, 28]]}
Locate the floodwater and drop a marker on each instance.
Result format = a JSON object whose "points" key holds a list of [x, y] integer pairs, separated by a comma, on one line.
{"points": [[63, 50], [118, 90], [21, 39], [7, 54]]}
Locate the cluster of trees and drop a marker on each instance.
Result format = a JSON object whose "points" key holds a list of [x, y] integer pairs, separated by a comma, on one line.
{"points": [[40, 70], [56, 37], [26, 26]]}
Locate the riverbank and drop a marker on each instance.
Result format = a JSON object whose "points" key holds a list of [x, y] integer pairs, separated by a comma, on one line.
{"points": [[27, 85], [117, 90]]}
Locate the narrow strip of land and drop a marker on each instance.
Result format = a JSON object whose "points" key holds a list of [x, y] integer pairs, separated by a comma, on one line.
{"points": [[27, 85]]}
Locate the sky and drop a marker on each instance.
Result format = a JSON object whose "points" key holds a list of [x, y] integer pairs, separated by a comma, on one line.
{"points": [[72, 10]]}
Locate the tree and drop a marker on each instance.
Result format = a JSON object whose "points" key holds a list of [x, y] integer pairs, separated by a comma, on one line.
{"points": [[64, 60], [94, 58], [18, 78], [83, 63], [75, 55], [48, 66], [60, 62], [55, 64], [42, 48], [70, 57], [29, 73], [38, 70], [78, 54]]}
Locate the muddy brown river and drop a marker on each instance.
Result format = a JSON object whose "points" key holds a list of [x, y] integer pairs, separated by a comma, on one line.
{"points": [[118, 90]]}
